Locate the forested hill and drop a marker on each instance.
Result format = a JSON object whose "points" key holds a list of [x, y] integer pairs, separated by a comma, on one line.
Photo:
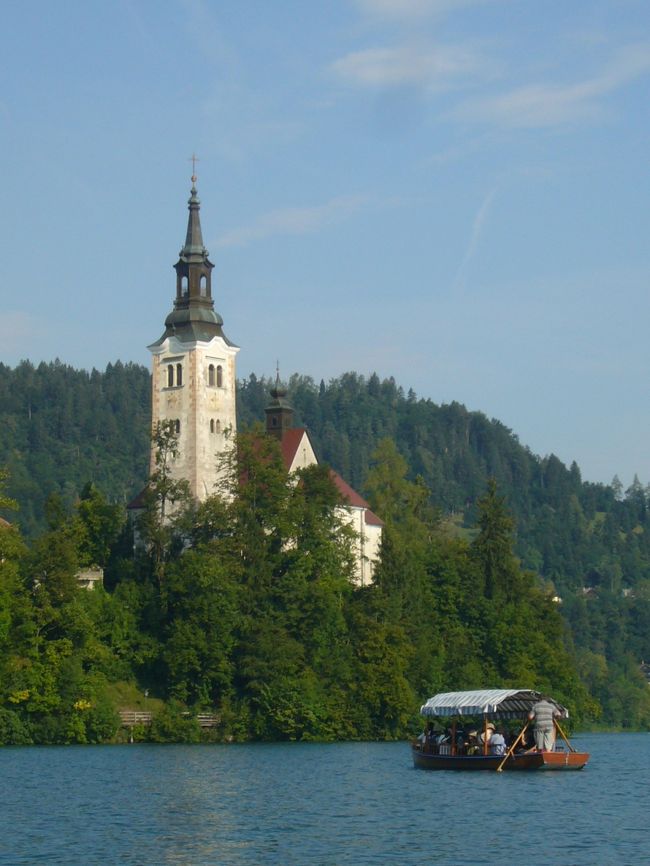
{"points": [[64, 427], [589, 543]]}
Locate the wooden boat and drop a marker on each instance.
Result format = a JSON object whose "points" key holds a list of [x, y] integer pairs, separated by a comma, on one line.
{"points": [[488, 706]]}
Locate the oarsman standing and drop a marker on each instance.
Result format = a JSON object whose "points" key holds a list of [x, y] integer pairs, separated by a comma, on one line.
{"points": [[544, 713]]}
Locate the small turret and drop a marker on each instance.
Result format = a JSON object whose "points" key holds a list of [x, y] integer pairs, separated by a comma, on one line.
{"points": [[279, 412]]}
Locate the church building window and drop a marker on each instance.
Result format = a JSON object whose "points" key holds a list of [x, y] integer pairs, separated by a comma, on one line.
{"points": [[211, 425], [211, 375], [179, 375], [170, 375], [203, 286], [218, 427], [219, 376], [184, 287], [177, 426]]}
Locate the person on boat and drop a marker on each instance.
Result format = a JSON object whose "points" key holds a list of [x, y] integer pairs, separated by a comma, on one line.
{"points": [[486, 735], [524, 744], [472, 743], [427, 736], [544, 714], [444, 737], [498, 743], [431, 737]]}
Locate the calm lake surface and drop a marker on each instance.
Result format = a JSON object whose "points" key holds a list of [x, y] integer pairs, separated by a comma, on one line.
{"points": [[317, 804]]}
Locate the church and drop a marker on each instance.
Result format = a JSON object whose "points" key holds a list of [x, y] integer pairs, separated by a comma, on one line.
{"points": [[194, 387]]}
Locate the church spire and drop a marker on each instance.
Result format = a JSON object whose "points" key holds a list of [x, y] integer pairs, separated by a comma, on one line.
{"points": [[193, 267], [193, 316], [194, 238]]}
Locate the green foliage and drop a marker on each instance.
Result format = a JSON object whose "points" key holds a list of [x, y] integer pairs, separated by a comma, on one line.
{"points": [[202, 614], [166, 499], [100, 524], [173, 724], [493, 548], [243, 605]]}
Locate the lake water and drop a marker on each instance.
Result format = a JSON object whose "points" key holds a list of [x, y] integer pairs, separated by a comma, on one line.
{"points": [[300, 804]]}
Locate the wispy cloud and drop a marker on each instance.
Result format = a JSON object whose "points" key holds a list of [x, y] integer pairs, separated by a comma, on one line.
{"points": [[293, 221], [547, 105], [478, 225], [426, 66], [412, 9], [19, 329]]}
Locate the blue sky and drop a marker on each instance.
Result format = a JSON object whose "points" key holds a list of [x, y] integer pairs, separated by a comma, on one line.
{"points": [[451, 192]]}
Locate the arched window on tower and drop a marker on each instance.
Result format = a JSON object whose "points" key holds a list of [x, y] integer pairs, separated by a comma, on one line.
{"points": [[177, 426], [211, 375], [218, 427], [179, 375], [219, 376], [203, 286], [211, 425], [170, 375], [184, 287]]}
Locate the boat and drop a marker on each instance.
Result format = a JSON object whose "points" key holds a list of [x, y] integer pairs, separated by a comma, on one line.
{"points": [[482, 708]]}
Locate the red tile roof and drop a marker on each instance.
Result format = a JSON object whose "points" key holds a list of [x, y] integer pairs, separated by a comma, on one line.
{"points": [[352, 497], [372, 519], [290, 444], [348, 494], [291, 440]]}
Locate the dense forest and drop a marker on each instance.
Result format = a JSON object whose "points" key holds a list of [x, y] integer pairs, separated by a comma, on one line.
{"points": [[245, 609]]}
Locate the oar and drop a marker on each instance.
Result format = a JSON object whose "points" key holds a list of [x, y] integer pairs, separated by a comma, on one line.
{"points": [[512, 748], [564, 736]]}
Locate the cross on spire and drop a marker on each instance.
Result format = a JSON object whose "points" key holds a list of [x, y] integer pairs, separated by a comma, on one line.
{"points": [[193, 159]]}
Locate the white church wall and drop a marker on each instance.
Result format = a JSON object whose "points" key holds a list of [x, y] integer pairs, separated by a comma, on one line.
{"points": [[205, 414], [366, 543]]}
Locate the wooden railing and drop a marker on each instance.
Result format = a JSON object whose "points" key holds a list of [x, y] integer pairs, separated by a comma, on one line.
{"points": [[207, 720], [130, 718]]}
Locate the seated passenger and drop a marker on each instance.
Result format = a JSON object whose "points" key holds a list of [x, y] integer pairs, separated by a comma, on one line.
{"points": [[472, 743], [430, 734], [498, 743], [486, 735]]}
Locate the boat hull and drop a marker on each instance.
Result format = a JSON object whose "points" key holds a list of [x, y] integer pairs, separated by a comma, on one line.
{"points": [[528, 761]]}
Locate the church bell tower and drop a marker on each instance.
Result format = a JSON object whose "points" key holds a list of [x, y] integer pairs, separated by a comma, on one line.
{"points": [[193, 383]]}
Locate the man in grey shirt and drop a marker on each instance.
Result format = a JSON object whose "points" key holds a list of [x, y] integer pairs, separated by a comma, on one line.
{"points": [[544, 713]]}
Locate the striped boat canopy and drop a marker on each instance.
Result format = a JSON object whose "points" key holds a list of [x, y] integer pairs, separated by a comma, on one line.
{"points": [[496, 703]]}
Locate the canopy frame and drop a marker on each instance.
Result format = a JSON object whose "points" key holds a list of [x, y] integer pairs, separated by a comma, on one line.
{"points": [[489, 703]]}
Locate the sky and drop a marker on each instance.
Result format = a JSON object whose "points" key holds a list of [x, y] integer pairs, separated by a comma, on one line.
{"points": [[454, 193]]}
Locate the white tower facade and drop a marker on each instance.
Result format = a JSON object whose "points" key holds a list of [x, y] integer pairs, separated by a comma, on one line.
{"points": [[194, 375]]}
